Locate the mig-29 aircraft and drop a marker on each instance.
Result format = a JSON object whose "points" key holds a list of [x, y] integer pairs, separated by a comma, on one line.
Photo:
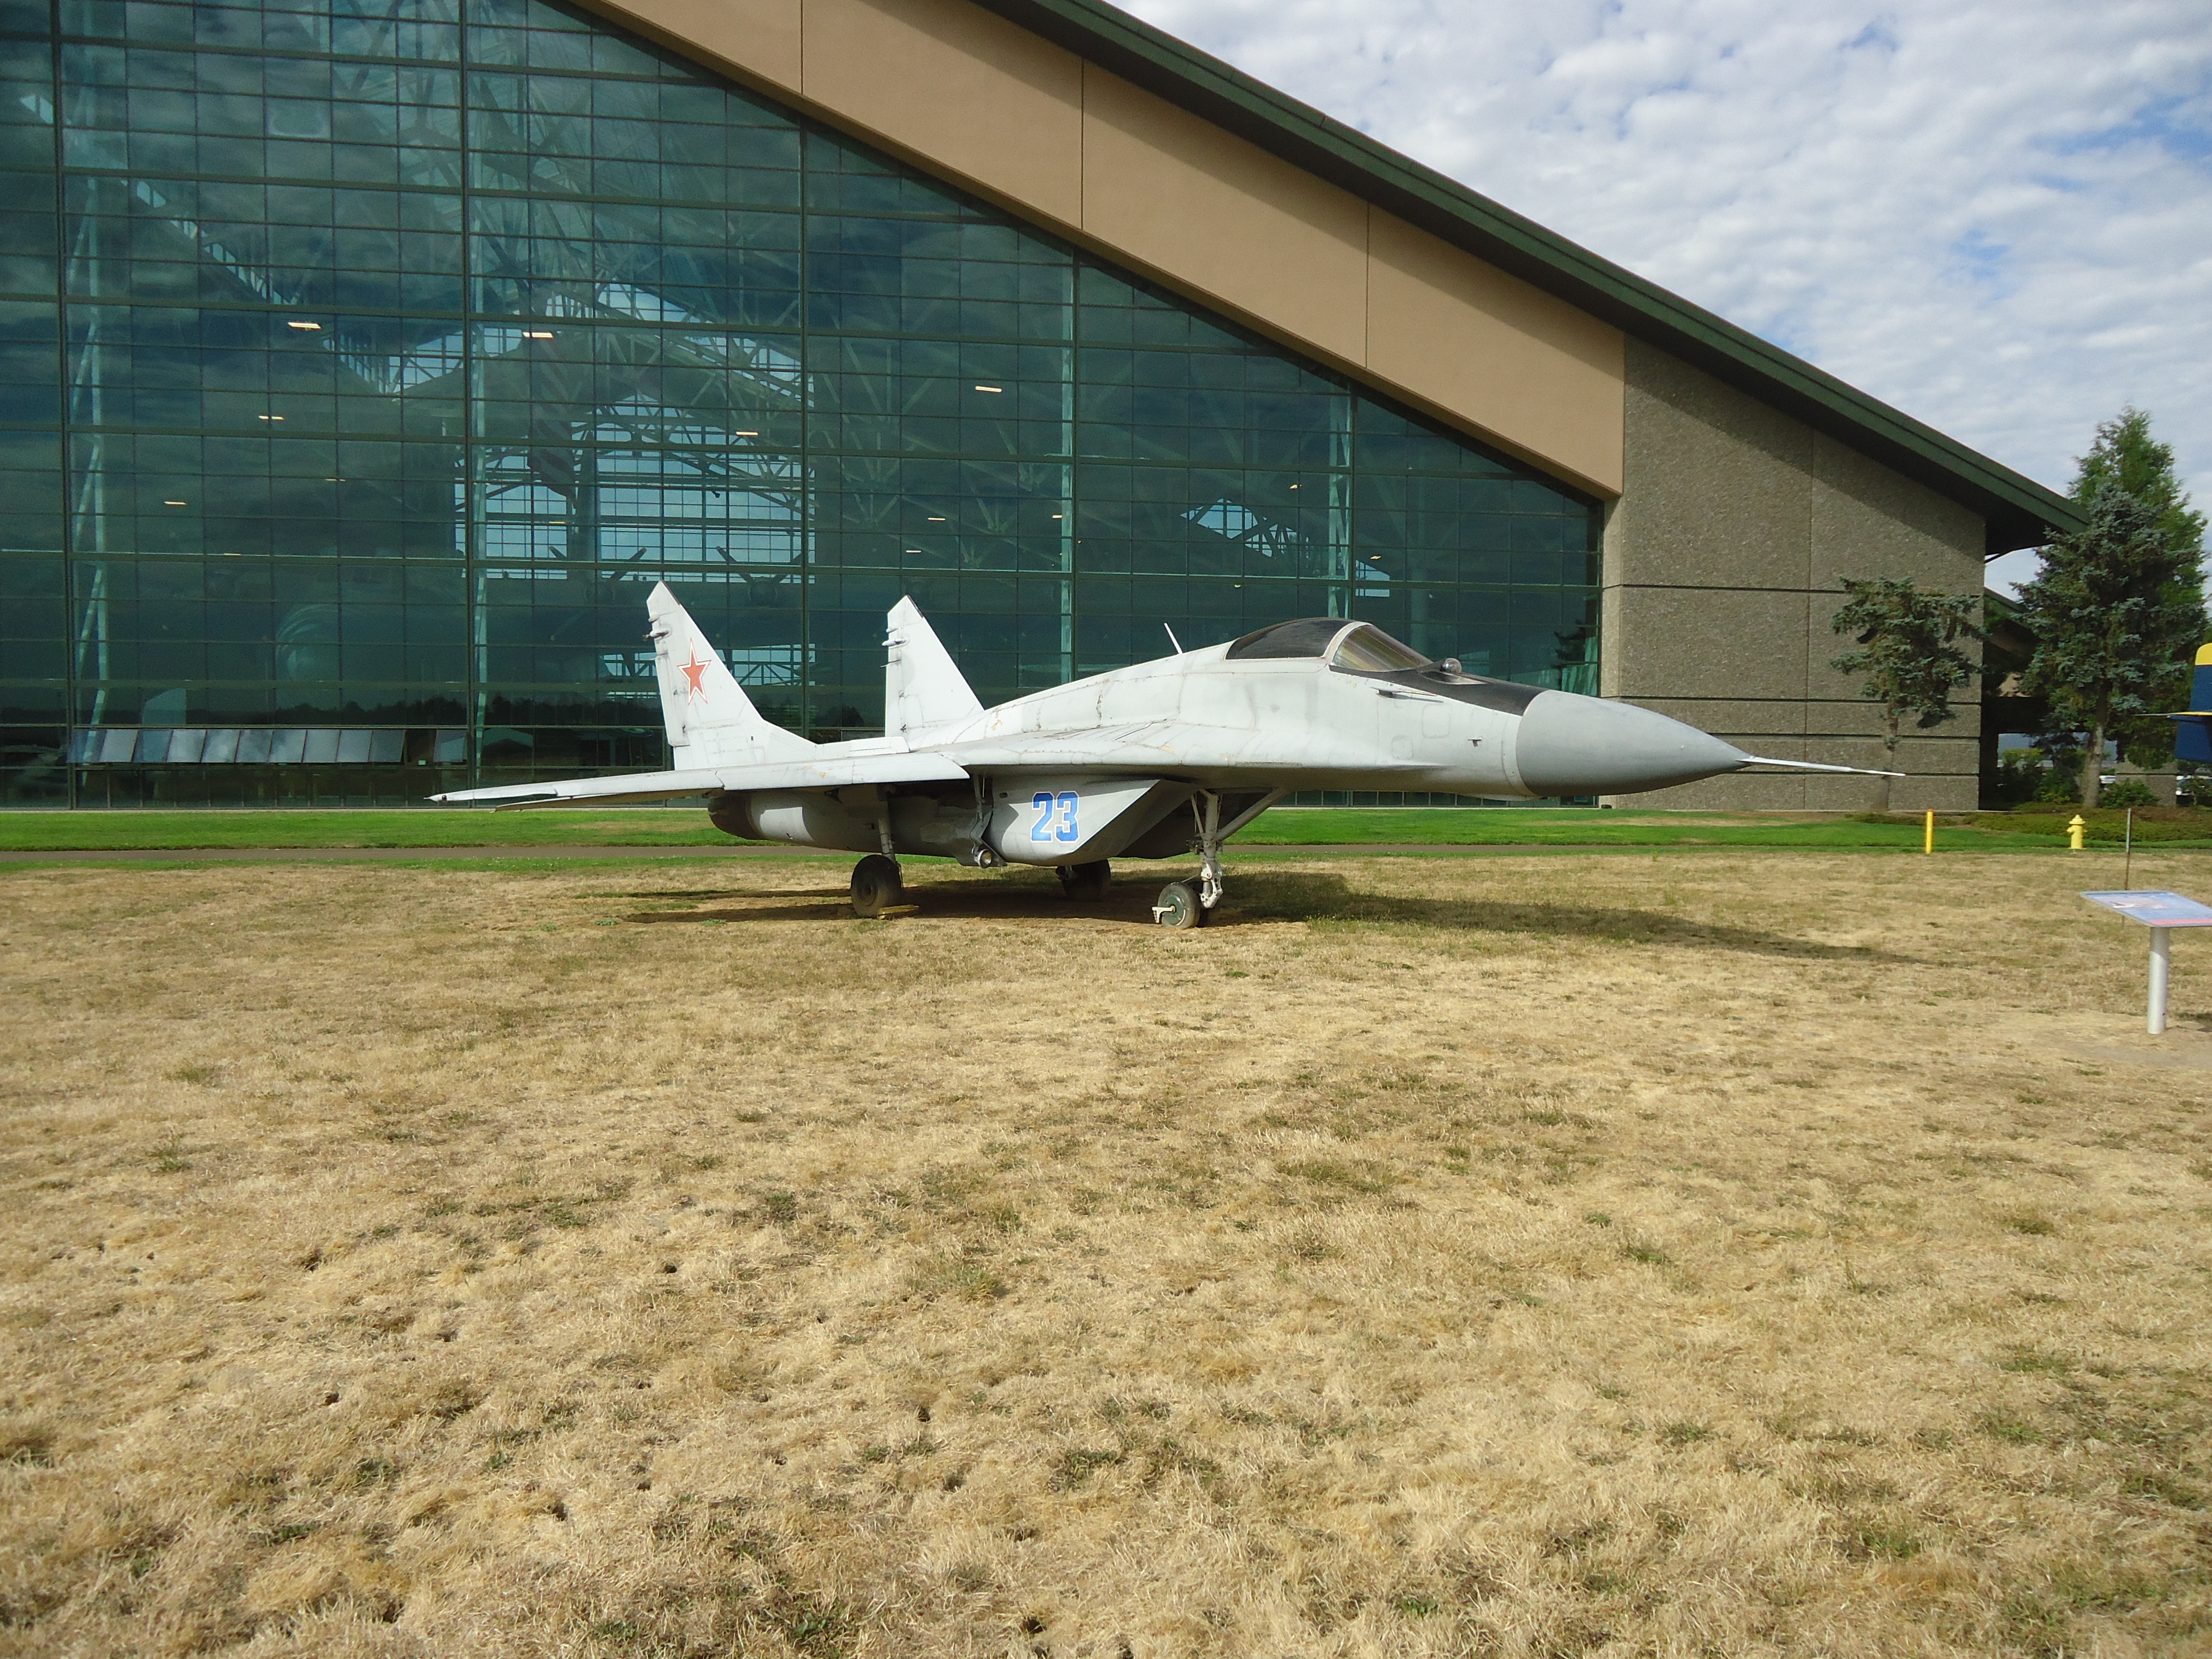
{"points": [[1154, 760]]}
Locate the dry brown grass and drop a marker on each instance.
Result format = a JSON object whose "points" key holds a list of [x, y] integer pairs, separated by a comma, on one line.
{"points": [[1707, 1254]]}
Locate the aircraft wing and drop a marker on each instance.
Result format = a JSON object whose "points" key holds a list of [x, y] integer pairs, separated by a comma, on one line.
{"points": [[1155, 748], [594, 791], [829, 771]]}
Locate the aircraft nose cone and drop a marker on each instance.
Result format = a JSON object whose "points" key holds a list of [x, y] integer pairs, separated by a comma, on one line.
{"points": [[1577, 746]]}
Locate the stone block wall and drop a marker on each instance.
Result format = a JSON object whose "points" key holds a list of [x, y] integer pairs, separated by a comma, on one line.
{"points": [[1724, 562]]}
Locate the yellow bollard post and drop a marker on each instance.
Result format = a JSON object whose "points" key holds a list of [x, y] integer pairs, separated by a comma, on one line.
{"points": [[1928, 839], [2074, 832]]}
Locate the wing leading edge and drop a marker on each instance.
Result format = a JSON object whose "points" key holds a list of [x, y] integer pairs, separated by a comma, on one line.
{"points": [[829, 771]]}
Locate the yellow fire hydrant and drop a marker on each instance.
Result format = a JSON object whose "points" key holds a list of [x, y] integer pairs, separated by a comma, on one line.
{"points": [[2075, 832]]}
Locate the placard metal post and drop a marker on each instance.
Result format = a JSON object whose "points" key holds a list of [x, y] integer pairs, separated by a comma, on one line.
{"points": [[2161, 966]]}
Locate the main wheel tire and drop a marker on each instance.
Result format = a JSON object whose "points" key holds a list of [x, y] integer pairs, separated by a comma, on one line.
{"points": [[1086, 883], [1177, 906], [876, 885]]}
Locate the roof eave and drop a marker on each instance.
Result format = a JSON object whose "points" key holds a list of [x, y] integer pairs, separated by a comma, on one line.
{"points": [[2016, 511]]}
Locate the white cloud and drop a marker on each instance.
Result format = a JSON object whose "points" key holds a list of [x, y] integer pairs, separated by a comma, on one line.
{"points": [[1995, 216]]}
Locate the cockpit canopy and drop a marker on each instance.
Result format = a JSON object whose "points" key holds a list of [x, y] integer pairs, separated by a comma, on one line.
{"points": [[1358, 647]]}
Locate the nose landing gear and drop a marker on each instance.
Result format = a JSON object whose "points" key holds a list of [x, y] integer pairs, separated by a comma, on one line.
{"points": [[1183, 904]]}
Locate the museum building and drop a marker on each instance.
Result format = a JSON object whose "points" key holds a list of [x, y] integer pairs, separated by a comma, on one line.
{"points": [[366, 363]]}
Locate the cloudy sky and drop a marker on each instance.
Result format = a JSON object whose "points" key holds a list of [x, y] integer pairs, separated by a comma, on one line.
{"points": [[1995, 216]]}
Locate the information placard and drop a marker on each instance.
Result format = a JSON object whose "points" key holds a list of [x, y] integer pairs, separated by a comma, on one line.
{"points": [[2154, 909], [2160, 912]]}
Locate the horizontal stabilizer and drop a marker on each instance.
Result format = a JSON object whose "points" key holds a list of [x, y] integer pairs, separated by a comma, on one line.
{"points": [[1816, 766]]}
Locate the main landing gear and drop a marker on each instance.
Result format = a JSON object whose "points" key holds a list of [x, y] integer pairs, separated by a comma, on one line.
{"points": [[1183, 904], [878, 887], [1086, 883]]}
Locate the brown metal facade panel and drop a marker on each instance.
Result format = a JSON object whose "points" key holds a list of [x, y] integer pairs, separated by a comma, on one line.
{"points": [[1223, 219], [1501, 351], [980, 98], [759, 41]]}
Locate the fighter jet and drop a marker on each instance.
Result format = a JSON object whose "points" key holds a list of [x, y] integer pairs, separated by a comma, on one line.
{"points": [[1157, 760]]}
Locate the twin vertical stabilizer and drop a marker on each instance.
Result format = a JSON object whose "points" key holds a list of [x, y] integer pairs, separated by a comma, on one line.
{"points": [[923, 693], [711, 721]]}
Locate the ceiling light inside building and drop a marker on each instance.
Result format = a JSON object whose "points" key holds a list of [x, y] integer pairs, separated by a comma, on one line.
{"points": [[990, 388], [176, 503], [268, 417], [306, 328], [537, 334]]}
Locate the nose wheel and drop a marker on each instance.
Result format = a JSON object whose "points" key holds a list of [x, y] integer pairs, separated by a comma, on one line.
{"points": [[1178, 906], [878, 887]]}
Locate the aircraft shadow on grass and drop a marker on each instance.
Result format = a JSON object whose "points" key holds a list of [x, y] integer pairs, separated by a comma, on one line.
{"points": [[1269, 896]]}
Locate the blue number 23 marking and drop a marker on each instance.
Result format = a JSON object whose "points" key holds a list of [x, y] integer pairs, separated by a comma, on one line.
{"points": [[1042, 803]]}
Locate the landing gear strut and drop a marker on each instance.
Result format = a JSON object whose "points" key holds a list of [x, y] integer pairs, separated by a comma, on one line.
{"points": [[1184, 903], [878, 884], [1086, 883], [878, 887], [1210, 880]]}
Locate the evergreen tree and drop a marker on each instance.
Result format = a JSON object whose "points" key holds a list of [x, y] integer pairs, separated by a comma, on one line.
{"points": [[2126, 455], [1909, 651], [2116, 612]]}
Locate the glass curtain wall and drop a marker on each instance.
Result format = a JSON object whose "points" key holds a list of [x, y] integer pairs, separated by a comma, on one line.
{"points": [[366, 363]]}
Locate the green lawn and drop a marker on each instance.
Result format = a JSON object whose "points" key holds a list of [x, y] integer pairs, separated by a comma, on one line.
{"points": [[1585, 827], [1444, 827]]}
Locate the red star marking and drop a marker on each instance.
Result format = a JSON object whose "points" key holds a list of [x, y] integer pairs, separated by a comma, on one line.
{"points": [[692, 671]]}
